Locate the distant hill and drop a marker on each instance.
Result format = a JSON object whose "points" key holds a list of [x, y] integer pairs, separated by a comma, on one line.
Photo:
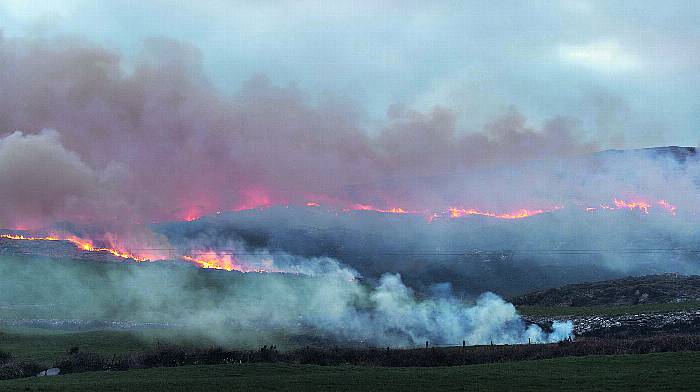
{"points": [[663, 288], [680, 153]]}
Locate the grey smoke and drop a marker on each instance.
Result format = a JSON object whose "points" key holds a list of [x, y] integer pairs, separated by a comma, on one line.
{"points": [[250, 308]]}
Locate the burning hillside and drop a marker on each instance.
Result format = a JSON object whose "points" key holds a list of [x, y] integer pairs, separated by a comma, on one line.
{"points": [[402, 227], [246, 239], [208, 256], [84, 249]]}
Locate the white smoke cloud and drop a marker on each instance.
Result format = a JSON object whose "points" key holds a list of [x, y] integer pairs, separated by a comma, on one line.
{"points": [[247, 308], [447, 320], [336, 304]]}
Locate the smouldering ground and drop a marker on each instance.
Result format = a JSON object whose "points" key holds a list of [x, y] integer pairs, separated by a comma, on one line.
{"points": [[667, 371]]}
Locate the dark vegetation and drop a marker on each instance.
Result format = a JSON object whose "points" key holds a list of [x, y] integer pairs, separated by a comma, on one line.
{"points": [[171, 355], [12, 368], [659, 371], [623, 308], [650, 289], [607, 310], [168, 355]]}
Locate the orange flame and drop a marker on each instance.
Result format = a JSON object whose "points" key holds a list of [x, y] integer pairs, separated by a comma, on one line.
{"points": [[253, 198], [368, 207], [211, 260], [80, 243], [641, 205], [636, 204], [518, 214], [667, 206], [21, 237], [88, 246], [452, 212], [260, 199]]}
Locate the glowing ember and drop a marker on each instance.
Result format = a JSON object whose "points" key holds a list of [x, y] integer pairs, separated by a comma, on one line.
{"points": [[667, 206], [21, 237], [253, 198], [637, 204], [192, 213], [367, 207]]}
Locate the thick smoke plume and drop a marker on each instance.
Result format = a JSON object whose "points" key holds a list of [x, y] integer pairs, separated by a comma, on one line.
{"points": [[159, 142]]}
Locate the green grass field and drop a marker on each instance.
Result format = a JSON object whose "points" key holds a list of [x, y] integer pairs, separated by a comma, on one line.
{"points": [[667, 371], [613, 310], [663, 371], [47, 345]]}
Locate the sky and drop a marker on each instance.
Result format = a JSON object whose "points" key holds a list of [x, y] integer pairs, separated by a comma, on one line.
{"points": [[625, 72]]}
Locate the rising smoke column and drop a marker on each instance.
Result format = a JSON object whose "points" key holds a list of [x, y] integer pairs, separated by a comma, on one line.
{"points": [[397, 315]]}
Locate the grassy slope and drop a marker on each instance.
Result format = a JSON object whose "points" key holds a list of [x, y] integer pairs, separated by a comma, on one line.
{"points": [[612, 310], [667, 371], [44, 345], [47, 345]]}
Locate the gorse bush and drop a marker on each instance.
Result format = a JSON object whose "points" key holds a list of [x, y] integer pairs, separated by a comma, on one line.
{"points": [[11, 368], [18, 369], [78, 361]]}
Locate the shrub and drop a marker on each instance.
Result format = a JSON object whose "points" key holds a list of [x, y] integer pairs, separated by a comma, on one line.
{"points": [[14, 369], [82, 362], [5, 357]]}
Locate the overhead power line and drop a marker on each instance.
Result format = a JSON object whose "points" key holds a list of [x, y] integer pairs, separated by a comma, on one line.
{"points": [[475, 252]]}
